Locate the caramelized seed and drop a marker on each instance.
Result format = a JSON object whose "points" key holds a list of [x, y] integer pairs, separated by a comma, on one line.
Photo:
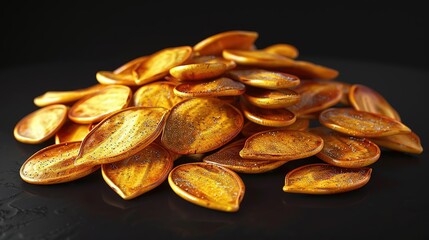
{"points": [[97, 106], [199, 125], [265, 98], [128, 67], [214, 45], [280, 117], [309, 70], [215, 59], [159, 64], [71, 132], [229, 157], [264, 79], [404, 142], [198, 71], [316, 96], [283, 145], [283, 49], [121, 135], [251, 128], [41, 124], [157, 94], [63, 97], [208, 185], [365, 99], [210, 88], [346, 151], [257, 58], [54, 164], [139, 173], [361, 124], [321, 178], [109, 78]]}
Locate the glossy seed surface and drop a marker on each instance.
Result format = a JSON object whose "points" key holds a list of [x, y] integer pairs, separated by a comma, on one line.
{"points": [[121, 135], [65, 97], [283, 145], [54, 164], [229, 157], [208, 185], [264, 79], [251, 128], [197, 71], [215, 44], [211, 88], [71, 132], [266, 98], [283, 49], [257, 58], [361, 124], [156, 94], [41, 124], [403, 142], [109, 78], [199, 125], [97, 106], [280, 117], [139, 173], [346, 151], [322, 178]]}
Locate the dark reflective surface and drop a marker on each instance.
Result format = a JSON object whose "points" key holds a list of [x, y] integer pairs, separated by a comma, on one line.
{"points": [[394, 204]]}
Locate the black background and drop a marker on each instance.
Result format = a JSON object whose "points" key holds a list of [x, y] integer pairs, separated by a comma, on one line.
{"points": [[53, 46], [383, 31]]}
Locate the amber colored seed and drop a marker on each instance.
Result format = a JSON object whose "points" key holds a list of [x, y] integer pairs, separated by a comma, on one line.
{"points": [[321, 178], [197, 71], [157, 94], [283, 49], [210, 88], [276, 145], [121, 135], [214, 59], [41, 124], [215, 44], [309, 70], [404, 142], [54, 164], [128, 67], [229, 157], [139, 173], [361, 124], [199, 125], [257, 58], [315, 96], [109, 78], [266, 98], [365, 99], [251, 128], [158, 65], [71, 132], [208, 185], [264, 79], [95, 107], [279, 117], [345, 90], [64, 97], [346, 151]]}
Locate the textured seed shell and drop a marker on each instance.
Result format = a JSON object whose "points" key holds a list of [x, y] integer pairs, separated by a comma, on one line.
{"points": [[266, 98], [405, 142], [121, 135], [264, 79], [229, 157], [365, 99], [109, 78], [280, 117], [139, 173], [346, 151], [210, 88], [199, 125], [54, 164], [41, 124], [283, 145], [208, 185], [159, 64], [197, 71], [215, 44], [361, 124], [64, 97], [315, 96], [322, 178], [156, 94], [71, 132], [95, 107], [257, 58], [283, 49], [251, 128]]}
